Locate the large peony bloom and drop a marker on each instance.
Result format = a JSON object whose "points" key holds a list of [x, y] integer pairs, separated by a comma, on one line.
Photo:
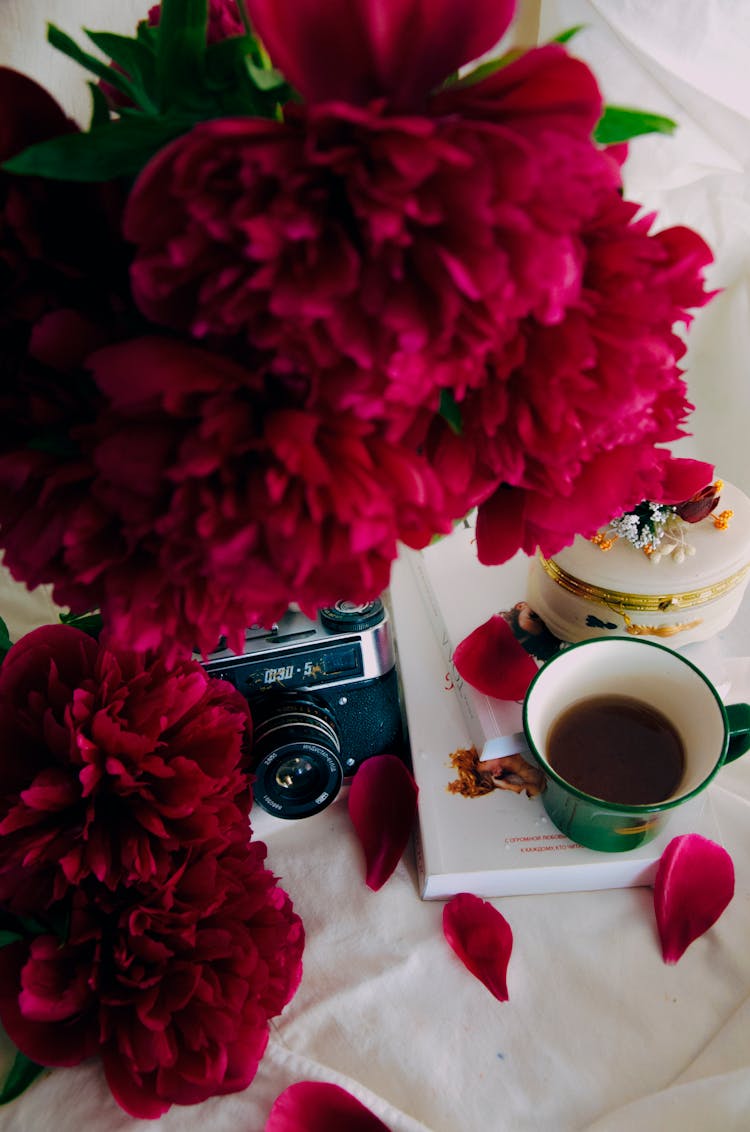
{"points": [[387, 252], [172, 984], [113, 766], [147, 927], [572, 417], [201, 504], [403, 242]]}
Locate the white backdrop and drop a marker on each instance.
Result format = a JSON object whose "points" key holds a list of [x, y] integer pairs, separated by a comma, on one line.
{"points": [[598, 1035]]}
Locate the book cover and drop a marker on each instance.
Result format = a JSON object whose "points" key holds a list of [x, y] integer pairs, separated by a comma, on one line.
{"points": [[460, 593], [500, 842]]}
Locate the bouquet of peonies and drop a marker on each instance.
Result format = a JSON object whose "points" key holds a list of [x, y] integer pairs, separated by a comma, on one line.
{"points": [[305, 288]]}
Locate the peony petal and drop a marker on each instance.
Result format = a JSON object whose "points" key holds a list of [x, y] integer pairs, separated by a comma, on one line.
{"points": [[684, 478], [481, 938], [494, 662], [500, 526], [30, 114], [398, 50], [382, 806], [315, 1106], [693, 885], [543, 82], [66, 1043], [128, 1090]]}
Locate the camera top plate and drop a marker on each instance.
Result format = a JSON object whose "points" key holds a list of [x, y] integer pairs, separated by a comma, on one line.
{"points": [[301, 653]]}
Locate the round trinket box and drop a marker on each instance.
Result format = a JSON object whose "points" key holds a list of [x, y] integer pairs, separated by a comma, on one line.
{"points": [[650, 573]]}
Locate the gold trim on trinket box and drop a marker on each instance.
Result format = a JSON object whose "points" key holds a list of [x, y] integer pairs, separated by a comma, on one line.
{"points": [[624, 588]]}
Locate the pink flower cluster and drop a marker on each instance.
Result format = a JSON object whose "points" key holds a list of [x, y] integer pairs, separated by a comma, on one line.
{"points": [[342, 331], [149, 930]]}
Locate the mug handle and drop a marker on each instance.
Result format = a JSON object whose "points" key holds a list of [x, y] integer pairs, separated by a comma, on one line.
{"points": [[739, 731]]}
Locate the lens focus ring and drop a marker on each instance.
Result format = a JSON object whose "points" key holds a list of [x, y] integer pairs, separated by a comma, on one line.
{"points": [[296, 755]]}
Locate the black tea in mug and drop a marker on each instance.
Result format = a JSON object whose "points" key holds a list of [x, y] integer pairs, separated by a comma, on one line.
{"points": [[617, 748]]}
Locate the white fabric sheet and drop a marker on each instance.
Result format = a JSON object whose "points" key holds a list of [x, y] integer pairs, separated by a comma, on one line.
{"points": [[598, 1035]]}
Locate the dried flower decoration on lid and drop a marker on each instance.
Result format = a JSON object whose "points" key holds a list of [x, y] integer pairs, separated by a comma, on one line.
{"points": [[660, 529], [685, 582]]}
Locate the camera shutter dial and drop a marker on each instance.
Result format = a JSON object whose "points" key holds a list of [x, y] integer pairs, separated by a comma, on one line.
{"points": [[351, 616]]}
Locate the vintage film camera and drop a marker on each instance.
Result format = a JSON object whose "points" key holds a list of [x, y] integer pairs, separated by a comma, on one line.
{"points": [[324, 697]]}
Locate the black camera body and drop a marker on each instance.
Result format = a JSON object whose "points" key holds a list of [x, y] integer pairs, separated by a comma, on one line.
{"points": [[324, 696]]}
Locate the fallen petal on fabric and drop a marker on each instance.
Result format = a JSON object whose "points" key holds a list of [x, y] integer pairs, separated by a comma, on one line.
{"points": [[693, 885], [316, 1106], [481, 938]]}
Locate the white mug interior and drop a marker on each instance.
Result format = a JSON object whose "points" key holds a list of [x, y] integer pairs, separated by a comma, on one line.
{"points": [[651, 673]]}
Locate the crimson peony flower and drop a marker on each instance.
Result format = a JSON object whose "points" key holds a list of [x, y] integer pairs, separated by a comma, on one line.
{"points": [[569, 421], [203, 504], [120, 765], [172, 983], [55, 237], [388, 250], [234, 507]]}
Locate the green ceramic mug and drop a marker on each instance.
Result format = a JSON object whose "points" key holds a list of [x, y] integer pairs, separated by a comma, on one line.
{"points": [[658, 677]]}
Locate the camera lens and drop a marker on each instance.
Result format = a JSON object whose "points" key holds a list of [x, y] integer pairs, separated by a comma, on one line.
{"points": [[294, 774], [297, 767]]}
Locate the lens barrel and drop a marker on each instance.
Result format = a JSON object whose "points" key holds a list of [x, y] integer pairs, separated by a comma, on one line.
{"points": [[296, 758]]}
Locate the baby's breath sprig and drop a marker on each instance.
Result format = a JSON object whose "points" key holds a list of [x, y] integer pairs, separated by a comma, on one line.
{"points": [[644, 526]]}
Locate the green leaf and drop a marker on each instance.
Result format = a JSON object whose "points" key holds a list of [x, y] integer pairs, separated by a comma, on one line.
{"points": [[620, 123], [181, 50], [450, 411], [7, 937], [483, 71], [99, 106], [22, 1072], [5, 641], [31, 925], [238, 85], [89, 622], [69, 47], [137, 60], [119, 149], [54, 444], [568, 34], [147, 33], [265, 78]]}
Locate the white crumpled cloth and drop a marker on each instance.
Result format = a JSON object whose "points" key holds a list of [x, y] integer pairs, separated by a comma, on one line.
{"points": [[598, 1034]]}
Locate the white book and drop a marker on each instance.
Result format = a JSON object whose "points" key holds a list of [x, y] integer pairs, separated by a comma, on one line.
{"points": [[460, 594], [501, 843]]}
